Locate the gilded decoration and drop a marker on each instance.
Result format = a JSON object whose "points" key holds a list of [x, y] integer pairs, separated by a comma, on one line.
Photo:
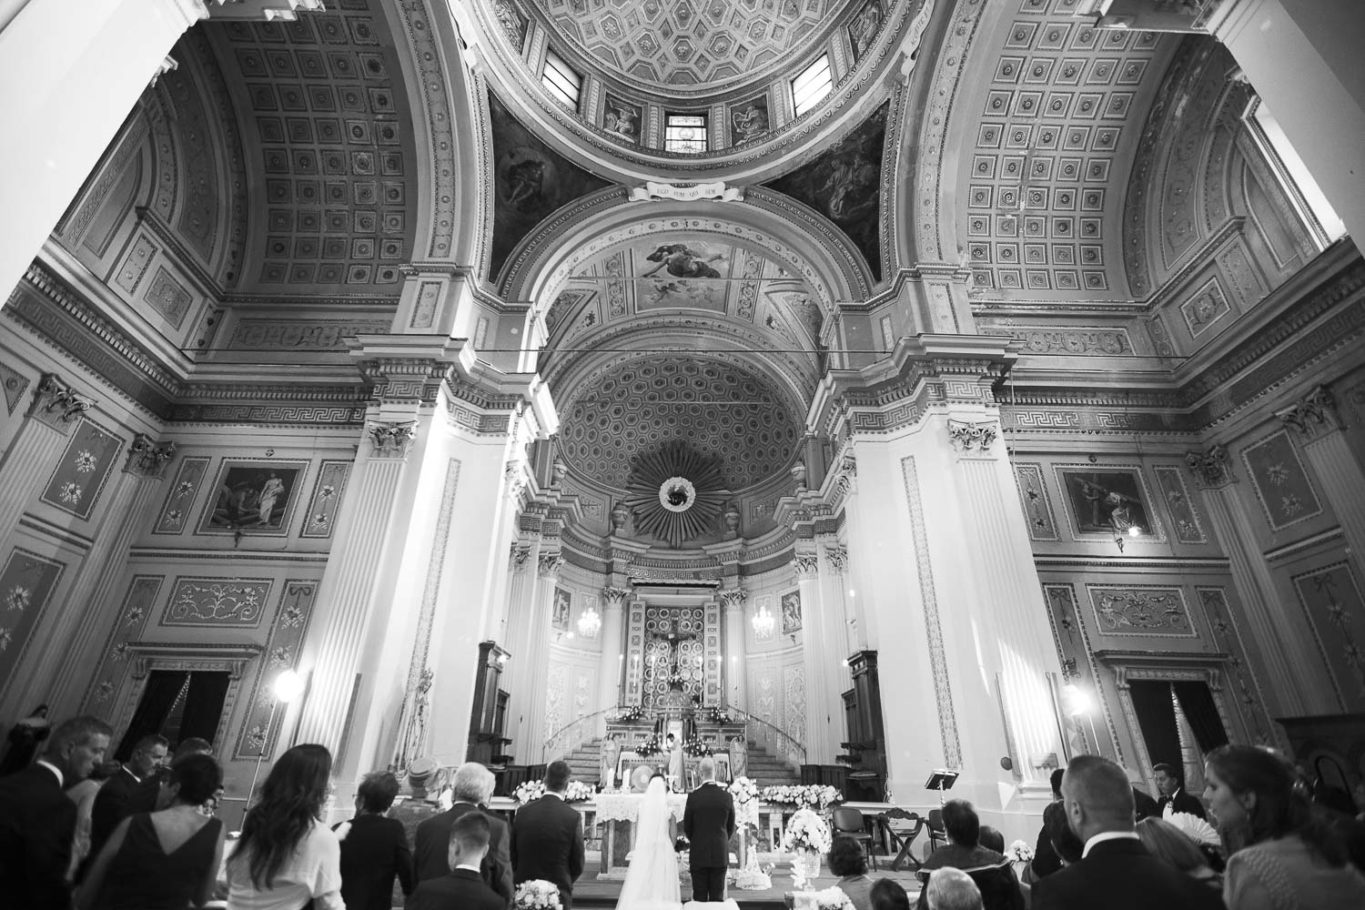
{"points": [[1141, 610], [148, 458]]}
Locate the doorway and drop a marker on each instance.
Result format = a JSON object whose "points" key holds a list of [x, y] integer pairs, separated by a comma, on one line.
{"points": [[178, 705]]}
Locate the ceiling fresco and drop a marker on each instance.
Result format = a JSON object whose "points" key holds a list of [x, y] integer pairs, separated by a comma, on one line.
{"points": [[663, 43]]}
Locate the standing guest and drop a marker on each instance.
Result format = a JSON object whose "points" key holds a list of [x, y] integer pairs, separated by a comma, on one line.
{"points": [[1164, 840], [887, 894], [462, 888], [989, 869], [83, 795], [25, 739], [1172, 789], [1279, 854], [846, 860], [1063, 840], [38, 821], [952, 889], [163, 860], [709, 823], [374, 849], [471, 790], [286, 856], [1116, 872], [547, 837], [125, 792], [1045, 860], [1143, 805]]}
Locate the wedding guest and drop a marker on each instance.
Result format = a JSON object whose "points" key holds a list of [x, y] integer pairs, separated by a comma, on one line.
{"points": [[286, 856], [471, 789], [1172, 788], [1063, 840], [25, 738], [127, 791], [38, 821], [888, 894], [1045, 860], [374, 849], [846, 860], [989, 869], [463, 888], [83, 795], [163, 860], [991, 839], [1279, 854], [952, 889], [547, 837], [1163, 839]]}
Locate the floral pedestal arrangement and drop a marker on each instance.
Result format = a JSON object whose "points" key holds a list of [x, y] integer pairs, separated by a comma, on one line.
{"points": [[805, 869], [808, 837]]}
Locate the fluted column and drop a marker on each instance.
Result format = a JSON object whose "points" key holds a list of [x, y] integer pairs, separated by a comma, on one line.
{"points": [[820, 745], [736, 688], [1296, 679], [521, 594], [55, 410], [612, 660], [832, 623], [860, 622], [538, 653], [1317, 423]]}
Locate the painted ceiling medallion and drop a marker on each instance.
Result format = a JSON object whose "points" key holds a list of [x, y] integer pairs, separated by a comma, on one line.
{"points": [[676, 493]]}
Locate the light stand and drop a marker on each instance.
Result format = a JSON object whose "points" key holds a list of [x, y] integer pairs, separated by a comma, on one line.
{"points": [[286, 687]]}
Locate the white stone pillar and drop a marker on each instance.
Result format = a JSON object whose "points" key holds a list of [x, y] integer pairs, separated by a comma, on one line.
{"points": [[834, 632], [821, 744], [37, 445], [521, 599], [736, 687], [1317, 423], [1296, 680], [71, 72], [537, 681]]}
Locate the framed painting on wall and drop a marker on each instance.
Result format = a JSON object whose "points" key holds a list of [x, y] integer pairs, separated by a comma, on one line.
{"points": [[254, 496], [559, 614], [791, 612], [1107, 500]]}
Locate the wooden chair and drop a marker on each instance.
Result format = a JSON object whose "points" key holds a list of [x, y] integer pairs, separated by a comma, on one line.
{"points": [[849, 823], [902, 839], [938, 835]]}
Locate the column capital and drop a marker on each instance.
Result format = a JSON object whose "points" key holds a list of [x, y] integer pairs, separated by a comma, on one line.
{"points": [[1212, 468], [845, 472], [147, 458], [391, 439], [733, 598], [838, 557], [1313, 415], [614, 598], [550, 564], [56, 404], [520, 556], [807, 565], [972, 437]]}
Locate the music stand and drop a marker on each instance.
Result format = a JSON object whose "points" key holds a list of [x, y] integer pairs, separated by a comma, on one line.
{"points": [[941, 779]]}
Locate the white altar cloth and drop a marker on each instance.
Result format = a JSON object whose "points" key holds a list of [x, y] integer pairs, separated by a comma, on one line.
{"points": [[625, 807]]}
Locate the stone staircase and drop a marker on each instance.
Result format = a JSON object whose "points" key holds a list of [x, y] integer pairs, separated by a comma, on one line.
{"points": [[765, 770]]}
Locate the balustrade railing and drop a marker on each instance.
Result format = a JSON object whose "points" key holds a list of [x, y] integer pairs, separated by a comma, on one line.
{"points": [[773, 739]]}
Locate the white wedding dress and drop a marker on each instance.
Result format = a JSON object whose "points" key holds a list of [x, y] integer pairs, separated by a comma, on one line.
{"points": [[652, 876]]}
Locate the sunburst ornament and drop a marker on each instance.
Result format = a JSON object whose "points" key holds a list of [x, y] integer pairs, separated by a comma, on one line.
{"points": [[675, 493]]}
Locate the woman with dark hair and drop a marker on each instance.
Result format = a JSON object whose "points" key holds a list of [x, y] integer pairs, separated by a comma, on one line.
{"points": [[287, 857], [888, 894], [846, 860], [162, 860], [374, 848], [1280, 855], [1165, 840]]}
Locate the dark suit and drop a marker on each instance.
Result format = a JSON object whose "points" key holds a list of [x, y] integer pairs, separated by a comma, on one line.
{"points": [[1045, 858], [463, 889], [1181, 802], [433, 850], [708, 822], [1122, 875], [118, 797], [374, 850], [1143, 806], [37, 824], [547, 843]]}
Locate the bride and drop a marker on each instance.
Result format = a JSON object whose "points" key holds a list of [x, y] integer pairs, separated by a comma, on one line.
{"points": [[652, 877]]}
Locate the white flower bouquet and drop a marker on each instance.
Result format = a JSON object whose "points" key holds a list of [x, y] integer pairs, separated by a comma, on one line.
{"points": [[578, 792], [743, 790], [752, 877], [806, 833], [1020, 852], [801, 796], [537, 894], [831, 899], [529, 791]]}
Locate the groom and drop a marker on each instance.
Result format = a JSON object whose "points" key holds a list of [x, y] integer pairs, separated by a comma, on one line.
{"points": [[708, 822], [547, 837]]}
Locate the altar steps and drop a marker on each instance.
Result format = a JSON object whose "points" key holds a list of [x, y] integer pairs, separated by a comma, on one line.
{"points": [[764, 769]]}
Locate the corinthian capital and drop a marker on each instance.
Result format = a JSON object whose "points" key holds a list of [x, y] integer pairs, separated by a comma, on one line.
{"points": [[391, 440], [550, 564], [733, 598], [838, 558], [969, 437], [1313, 415], [57, 404], [807, 564], [614, 598], [1212, 468], [146, 458]]}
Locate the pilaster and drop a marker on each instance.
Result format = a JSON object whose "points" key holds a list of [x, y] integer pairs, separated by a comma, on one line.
{"points": [[611, 665], [55, 409], [1316, 422], [736, 687]]}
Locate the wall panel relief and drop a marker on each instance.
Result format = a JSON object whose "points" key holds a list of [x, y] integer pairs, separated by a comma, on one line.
{"points": [[1185, 521], [794, 699], [85, 466], [112, 673], [217, 602], [1227, 639], [260, 728], [180, 498], [320, 518], [14, 385], [1281, 483], [1033, 496], [26, 583], [1141, 610], [1332, 601], [1078, 667]]}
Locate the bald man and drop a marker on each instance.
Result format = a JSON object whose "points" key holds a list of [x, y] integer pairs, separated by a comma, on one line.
{"points": [[1115, 872]]}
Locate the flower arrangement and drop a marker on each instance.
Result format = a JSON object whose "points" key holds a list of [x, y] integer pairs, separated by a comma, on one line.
{"points": [[1020, 852], [806, 832], [752, 877], [537, 894], [696, 748], [717, 715], [575, 792], [745, 794], [578, 792], [629, 714], [802, 796], [832, 898], [649, 747]]}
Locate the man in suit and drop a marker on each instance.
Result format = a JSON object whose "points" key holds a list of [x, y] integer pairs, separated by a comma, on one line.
{"points": [[38, 821], [1045, 860], [132, 789], [463, 887], [1116, 872], [547, 837], [708, 822], [1173, 793], [472, 788]]}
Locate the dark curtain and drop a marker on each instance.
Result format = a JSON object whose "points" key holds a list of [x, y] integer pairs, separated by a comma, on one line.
{"points": [[1197, 702], [204, 705], [1156, 717], [158, 697]]}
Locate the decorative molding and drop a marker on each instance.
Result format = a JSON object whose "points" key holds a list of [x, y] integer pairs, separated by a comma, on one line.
{"points": [[1141, 610], [175, 512], [1312, 416], [1184, 518], [685, 192], [1283, 488], [147, 458], [391, 440], [260, 724], [549, 564], [216, 602], [837, 555], [520, 556], [1042, 525], [1212, 468], [320, 519], [733, 598], [14, 384], [84, 468], [968, 437], [164, 655], [57, 404], [614, 598]]}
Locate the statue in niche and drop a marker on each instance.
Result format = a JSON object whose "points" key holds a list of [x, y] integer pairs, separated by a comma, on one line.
{"points": [[731, 516], [611, 755], [739, 757]]}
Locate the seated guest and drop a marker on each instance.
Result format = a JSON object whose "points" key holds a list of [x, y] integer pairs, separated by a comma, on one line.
{"points": [[846, 860], [1045, 861], [991, 839], [952, 889], [1163, 839], [463, 887], [887, 894], [1173, 795], [1115, 872], [989, 869], [374, 849], [1065, 844], [1279, 854], [164, 860]]}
